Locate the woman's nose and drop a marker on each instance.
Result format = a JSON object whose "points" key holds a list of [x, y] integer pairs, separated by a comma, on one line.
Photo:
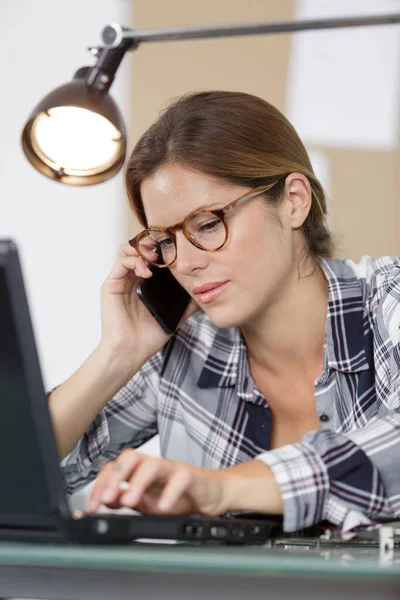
{"points": [[188, 256]]}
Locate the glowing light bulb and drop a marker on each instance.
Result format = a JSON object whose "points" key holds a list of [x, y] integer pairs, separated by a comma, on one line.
{"points": [[75, 140]]}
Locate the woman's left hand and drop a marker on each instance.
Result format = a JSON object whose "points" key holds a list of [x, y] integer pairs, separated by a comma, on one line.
{"points": [[158, 486]]}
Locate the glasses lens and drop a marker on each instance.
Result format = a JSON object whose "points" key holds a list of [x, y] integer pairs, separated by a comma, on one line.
{"points": [[157, 247], [207, 230]]}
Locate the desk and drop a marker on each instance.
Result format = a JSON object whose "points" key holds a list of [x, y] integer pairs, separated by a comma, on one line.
{"points": [[151, 572]]}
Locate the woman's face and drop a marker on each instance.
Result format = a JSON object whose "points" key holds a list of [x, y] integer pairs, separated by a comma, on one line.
{"points": [[259, 259]]}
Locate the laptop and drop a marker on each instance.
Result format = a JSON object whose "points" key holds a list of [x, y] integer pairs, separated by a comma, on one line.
{"points": [[33, 503]]}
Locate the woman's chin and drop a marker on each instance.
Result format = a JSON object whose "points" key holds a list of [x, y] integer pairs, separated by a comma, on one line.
{"points": [[223, 317]]}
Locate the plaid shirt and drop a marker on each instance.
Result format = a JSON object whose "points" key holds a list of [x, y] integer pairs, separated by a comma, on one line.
{"points": [[199, 395]]}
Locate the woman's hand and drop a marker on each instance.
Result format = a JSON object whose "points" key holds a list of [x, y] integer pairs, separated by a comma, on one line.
{"points": [[162, 486], [157, 486], [127, 326]]}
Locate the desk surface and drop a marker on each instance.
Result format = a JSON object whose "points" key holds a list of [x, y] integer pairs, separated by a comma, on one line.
{"points": [[254, 560]]}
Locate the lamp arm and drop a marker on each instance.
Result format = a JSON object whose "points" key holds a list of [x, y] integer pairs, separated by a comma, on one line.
{"points": [[114, 35], [117, 39]]}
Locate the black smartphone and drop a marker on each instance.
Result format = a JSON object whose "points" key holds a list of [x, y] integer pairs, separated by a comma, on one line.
{"points": [[164, 297]]}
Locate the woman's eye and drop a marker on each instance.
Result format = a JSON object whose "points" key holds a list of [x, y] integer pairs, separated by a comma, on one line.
{"points": [[166, 244], [209, 225]]}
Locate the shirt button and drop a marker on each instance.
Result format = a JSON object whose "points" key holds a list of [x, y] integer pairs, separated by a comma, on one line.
{"points": [[324, 418]]}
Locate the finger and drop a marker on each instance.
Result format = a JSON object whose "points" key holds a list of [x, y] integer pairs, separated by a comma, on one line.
{"points": [[106, 489], [148, 250], [94, 500], [178, 484], [126, 250], [136, 264], [122, 470], [147, 247], [149, 472], [127, 265], [116, 503], [147, 242]]}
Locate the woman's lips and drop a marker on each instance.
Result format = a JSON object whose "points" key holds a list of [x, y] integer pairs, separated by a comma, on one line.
{"points": [[204, 297]]}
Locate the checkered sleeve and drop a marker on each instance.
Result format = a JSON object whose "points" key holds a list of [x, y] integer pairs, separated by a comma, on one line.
{"points": [[127, 421], [326, 475], [329, 473]]}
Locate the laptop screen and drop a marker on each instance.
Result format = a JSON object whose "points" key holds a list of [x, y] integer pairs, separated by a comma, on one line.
{"points": [[31, 486]]}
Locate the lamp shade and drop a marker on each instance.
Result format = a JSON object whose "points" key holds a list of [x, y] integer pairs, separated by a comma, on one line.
{"points": [[76, 134]]}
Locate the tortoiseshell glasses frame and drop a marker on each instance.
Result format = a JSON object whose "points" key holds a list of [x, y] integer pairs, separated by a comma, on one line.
{"points": [[170, 232]]}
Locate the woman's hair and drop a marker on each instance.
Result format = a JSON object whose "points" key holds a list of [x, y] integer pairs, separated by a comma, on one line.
{"points": [[237, 138]]}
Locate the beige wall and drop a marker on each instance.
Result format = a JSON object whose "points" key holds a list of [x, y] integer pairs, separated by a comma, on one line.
{"points": [[365, 201], [364, 184]]}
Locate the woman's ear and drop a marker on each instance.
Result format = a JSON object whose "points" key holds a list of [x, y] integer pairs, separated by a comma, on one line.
{"points": [[298, 193]]}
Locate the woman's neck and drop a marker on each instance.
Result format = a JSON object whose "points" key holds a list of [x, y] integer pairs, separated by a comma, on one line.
{"points": [[289, 334]]}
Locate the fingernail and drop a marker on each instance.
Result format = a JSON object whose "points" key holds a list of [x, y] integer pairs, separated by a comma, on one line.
{"points": [[128, 499], [91, 505], [108, 496]]}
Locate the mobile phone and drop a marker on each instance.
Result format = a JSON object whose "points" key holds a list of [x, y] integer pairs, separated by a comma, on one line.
{"points": [[164, 297]]}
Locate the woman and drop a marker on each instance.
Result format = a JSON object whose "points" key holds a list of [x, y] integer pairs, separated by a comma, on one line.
{"points": [[280, 390]]}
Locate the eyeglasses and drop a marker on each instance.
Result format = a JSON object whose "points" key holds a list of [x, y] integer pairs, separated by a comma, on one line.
{"points": [[205, 229]]}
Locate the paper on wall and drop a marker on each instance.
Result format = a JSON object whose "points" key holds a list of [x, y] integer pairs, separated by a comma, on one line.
{"points": [[343, 84]]}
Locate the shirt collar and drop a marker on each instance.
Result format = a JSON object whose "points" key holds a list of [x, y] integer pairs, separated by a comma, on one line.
{"points": [[221, 367], [226, 363], [345, 339]]}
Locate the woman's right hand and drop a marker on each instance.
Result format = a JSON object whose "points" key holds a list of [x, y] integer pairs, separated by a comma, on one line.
{"points": [[127, 325]]}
